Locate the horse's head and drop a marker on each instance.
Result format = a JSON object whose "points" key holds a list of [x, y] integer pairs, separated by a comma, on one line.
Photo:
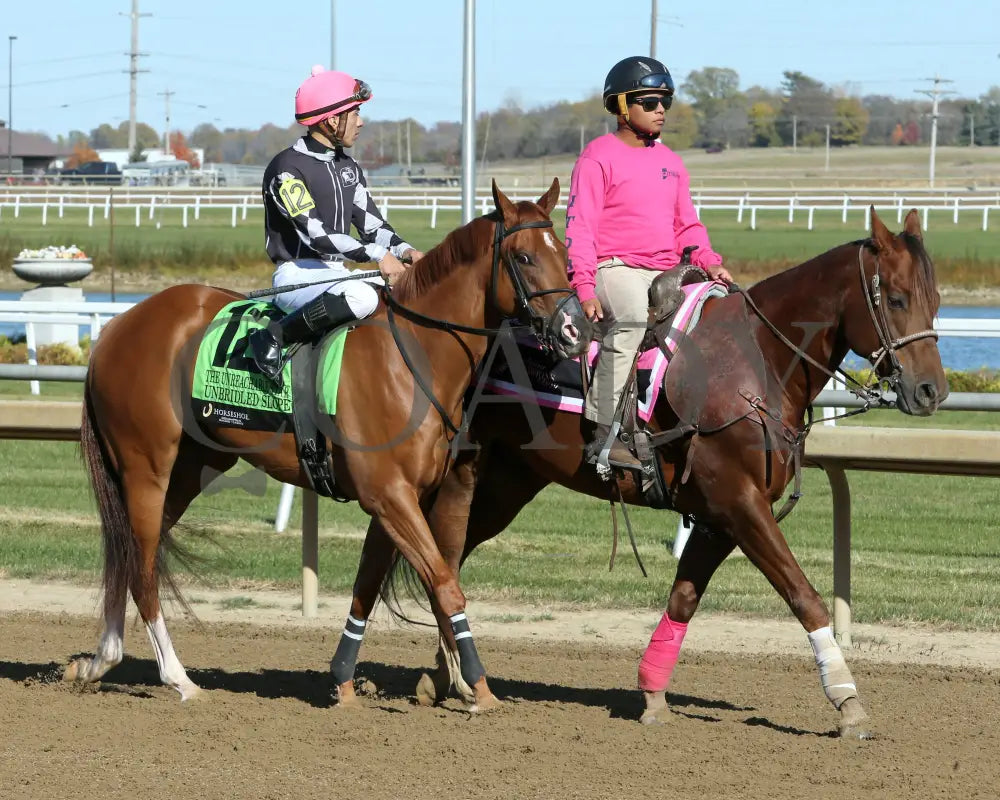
{"points": [[894, 326], [533, 285]]}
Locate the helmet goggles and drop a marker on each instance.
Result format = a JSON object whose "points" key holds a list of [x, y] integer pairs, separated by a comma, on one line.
{"points": [[362, 93]]}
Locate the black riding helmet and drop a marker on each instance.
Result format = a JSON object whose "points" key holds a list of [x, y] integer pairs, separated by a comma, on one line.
{"points": [[633, 75]]}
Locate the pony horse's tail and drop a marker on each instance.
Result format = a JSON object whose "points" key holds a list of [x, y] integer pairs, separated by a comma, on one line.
{"points": [[121, 558]]}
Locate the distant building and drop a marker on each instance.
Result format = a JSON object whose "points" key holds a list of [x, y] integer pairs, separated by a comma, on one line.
{"points": [[121, 155], [30, 152]]}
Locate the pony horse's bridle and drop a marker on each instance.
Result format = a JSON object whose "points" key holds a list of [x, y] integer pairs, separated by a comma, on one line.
{"points": [[889, 346]]}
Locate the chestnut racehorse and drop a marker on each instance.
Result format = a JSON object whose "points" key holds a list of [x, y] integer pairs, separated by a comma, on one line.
{"points": [[148, 459], [877, 298]]}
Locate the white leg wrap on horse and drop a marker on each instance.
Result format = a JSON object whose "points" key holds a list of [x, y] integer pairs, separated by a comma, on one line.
{"points": [[171, 670], [838, 683]]}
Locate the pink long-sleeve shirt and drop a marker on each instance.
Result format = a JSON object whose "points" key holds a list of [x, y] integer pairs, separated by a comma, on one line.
{"points": [[632, 203]]}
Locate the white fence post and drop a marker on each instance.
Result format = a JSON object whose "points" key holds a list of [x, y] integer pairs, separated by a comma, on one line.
{"points": [[244, 208], [29, 342], [899, 210], [184, 217], [152, 206], [137, 213], [753, 218], [739, 209], [955, 217], [791, 210], [90, 216], [197, 207], [17, 206], [681, 539], [811, 210], [986, 217], [434, 212], [45, 214], [843, 216], [925, 217], [62, 200]]}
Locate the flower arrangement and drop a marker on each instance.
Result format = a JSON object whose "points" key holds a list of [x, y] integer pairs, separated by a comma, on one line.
{"points": [[52, 253]]}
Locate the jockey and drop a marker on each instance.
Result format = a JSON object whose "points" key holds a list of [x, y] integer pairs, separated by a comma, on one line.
{"points": [[628, 218], [313, 191]]}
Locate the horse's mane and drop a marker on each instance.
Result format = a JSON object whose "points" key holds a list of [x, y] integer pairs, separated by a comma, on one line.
{"points": [[926, 284], [461, 246]]}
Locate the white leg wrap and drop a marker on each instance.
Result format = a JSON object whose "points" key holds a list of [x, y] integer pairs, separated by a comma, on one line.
{"points": [[838, 683], [171, 670]]}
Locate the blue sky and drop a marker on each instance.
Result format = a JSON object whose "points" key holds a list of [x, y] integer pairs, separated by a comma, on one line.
{"points": [[238, 63]]}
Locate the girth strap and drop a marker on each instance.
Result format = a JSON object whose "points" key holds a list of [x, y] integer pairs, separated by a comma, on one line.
{"points": [[311, 443]]}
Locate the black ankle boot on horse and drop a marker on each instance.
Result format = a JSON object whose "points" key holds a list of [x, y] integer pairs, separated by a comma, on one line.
{"points": [[312, 320]]}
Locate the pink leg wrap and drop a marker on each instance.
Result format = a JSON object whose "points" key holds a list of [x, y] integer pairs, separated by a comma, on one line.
{"points": [[658, 661]]}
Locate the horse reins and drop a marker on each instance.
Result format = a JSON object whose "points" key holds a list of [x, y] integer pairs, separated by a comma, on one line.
{"points": [[522, 294], [873, 298]]}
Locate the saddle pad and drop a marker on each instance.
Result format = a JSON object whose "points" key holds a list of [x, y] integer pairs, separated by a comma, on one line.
{"points": [[559, 384], [229, 390]]}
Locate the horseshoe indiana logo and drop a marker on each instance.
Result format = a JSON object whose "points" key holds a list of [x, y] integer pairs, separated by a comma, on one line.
{"points": [[206, 412], [349, 176]]}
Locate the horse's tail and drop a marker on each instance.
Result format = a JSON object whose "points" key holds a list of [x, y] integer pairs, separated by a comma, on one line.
{"points": [[401, 581], [121, 556]]}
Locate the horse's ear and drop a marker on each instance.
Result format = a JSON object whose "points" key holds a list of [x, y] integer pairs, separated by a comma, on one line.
{"points": [[912, 224], [881, 235], [548, 200], [504, 206]]}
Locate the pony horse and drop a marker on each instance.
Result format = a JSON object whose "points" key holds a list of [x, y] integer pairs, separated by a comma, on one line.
{"points": [[742, 383], [148, 459]]}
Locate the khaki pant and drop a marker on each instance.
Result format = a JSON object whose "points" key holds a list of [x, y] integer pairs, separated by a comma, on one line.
{"points": [[624, 295]]}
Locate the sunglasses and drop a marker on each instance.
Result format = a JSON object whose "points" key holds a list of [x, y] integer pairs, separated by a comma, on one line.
{"points": [[650, 103]]}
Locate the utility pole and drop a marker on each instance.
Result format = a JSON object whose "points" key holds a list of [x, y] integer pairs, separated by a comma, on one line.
{"points": [[934, 94], [409, 152], [827, 166], [10, 105], [333, 34], [166, 94], [652, 32], [795, 133], [972, 129], [469, 111], [133, 71]]}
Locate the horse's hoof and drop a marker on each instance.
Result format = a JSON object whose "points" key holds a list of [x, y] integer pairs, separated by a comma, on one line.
{"points": [[72, 672], [854, 724], [426, 690], [487, 703], [655, 716], [191, 692], [346, 696]]}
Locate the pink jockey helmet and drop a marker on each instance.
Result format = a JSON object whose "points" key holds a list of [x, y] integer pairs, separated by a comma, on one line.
{"points": [[326, 93]]}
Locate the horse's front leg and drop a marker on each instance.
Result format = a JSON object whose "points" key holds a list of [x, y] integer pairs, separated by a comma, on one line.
{"points": [[399, 513], [704, 552], [760, 538]]}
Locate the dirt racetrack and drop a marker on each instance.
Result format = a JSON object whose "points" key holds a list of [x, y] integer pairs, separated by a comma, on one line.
{"points": [[743, 725]]}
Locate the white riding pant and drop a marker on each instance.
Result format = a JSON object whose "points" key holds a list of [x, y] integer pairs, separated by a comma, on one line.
{"points": [[361, 295], [624, 294]]}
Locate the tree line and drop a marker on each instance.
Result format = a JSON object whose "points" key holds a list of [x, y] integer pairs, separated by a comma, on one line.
{"points": [[711, 111]]}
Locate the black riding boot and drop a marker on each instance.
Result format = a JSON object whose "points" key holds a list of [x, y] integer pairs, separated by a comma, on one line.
{"points": [[618, 456], [309, 322]]}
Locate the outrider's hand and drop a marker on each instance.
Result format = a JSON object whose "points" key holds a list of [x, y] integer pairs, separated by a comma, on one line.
{"points": [[412, 256], [717, 272], [592, 308]]}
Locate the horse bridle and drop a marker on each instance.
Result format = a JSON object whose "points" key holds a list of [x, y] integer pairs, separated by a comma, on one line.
{"points": [[889, 346], [545, 328]]}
